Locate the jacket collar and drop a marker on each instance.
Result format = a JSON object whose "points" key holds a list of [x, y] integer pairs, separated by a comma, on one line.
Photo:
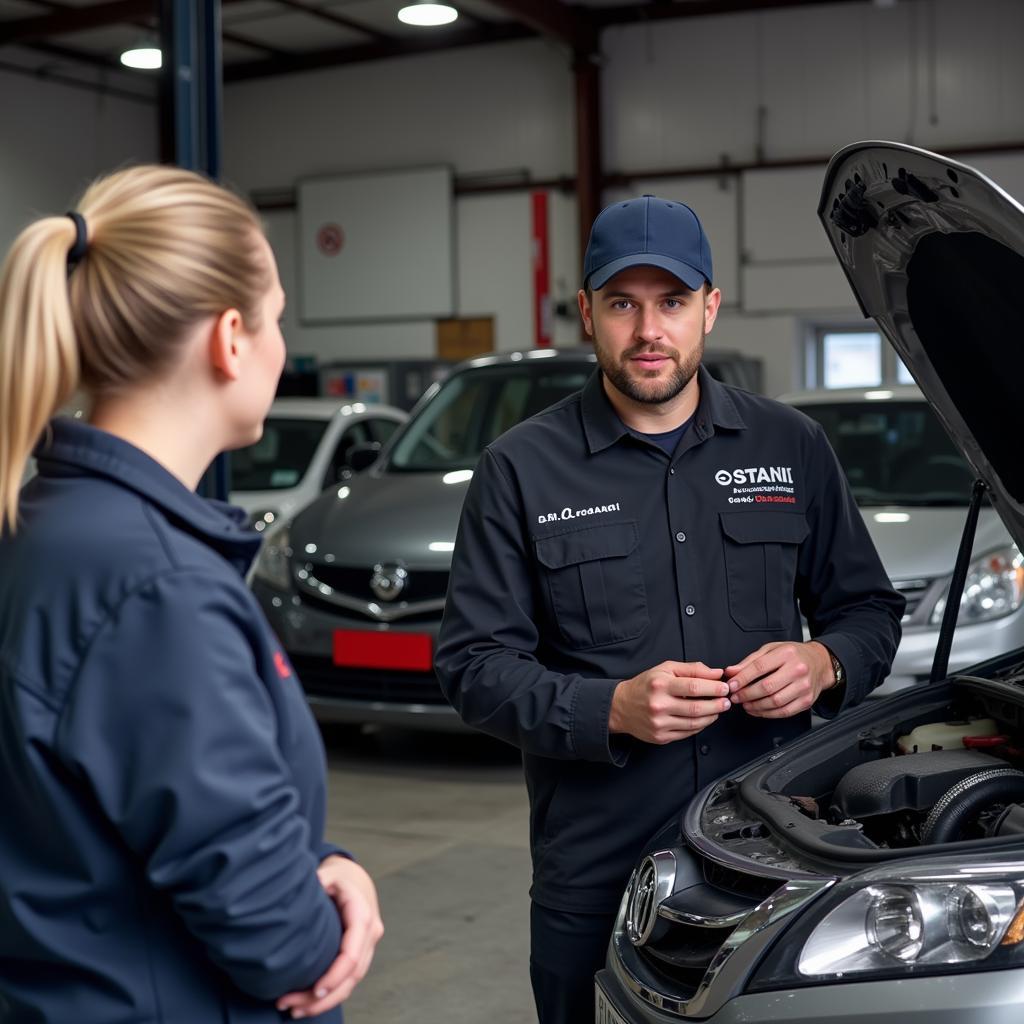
{"points": [[603, 428], [73, 448]]}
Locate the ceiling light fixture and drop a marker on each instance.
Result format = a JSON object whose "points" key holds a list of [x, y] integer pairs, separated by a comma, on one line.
{"points": [[426, 13], [143, 58]]}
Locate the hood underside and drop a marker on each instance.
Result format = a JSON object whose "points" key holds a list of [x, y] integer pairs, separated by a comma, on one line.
{"points": [[933, 250]]}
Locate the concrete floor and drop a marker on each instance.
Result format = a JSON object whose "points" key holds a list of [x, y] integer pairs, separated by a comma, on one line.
{"points": [[440, 822]]}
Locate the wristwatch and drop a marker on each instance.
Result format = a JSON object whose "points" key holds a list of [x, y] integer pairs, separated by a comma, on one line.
{"points": [[837, 668]]}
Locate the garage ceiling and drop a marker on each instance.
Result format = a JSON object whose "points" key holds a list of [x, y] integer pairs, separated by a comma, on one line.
{"points": [[79, 41]]}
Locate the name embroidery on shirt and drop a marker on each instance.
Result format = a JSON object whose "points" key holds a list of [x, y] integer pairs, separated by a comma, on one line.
{"points": [[578, 513]]}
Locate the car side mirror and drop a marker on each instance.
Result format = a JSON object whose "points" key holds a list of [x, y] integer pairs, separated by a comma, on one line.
{"points": [[363, 455]]}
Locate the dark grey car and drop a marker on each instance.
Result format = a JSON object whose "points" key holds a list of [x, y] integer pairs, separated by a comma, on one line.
{"points": [[873, 870], [355, 584]]}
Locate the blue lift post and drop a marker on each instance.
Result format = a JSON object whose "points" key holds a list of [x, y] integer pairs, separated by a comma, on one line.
{"points": [[190, 121]]}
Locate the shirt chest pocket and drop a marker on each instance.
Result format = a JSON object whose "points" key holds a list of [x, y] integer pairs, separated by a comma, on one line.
{"points": [[761, 550], [595, 583]]}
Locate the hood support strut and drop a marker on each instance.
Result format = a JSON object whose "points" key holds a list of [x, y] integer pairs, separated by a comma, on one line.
{"points": [[956, 585]]}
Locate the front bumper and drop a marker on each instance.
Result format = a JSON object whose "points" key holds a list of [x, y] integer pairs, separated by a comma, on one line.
{"points": [[993, 997], [343, 695]]}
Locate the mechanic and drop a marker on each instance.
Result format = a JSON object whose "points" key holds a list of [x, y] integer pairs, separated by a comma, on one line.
{"points": [[162, 853], [627, 583]]}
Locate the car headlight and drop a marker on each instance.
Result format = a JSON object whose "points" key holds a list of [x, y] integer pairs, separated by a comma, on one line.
{"points": [[273, 562], [883, 926], [263, 519], [909, 919], [994, 587]]}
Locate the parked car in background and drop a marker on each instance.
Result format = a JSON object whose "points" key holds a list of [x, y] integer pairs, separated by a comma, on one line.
{"points": [[355, 585], [913, 488], [874, 868], [305, 447]]}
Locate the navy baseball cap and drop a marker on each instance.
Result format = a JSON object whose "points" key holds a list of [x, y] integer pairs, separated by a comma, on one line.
{"points": [[647, 232]]}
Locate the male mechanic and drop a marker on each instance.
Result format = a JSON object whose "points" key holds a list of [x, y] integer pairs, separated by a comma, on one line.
{"points": [[627, 584]]}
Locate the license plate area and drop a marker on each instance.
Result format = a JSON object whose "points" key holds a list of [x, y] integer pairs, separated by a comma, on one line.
{"points": [[604, 1012], [383, 649]]}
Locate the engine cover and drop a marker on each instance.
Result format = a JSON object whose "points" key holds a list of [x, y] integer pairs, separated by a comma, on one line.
{"points": [[913, 782]]}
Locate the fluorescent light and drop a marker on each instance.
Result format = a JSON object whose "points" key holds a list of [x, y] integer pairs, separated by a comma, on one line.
{"points": [[458, 476], [142, 58], [878, 396], [442, 545], [428, 14], [892, 517]]}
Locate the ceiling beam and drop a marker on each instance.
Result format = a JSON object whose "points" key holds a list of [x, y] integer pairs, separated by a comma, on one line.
{"points": [[569, 25], [341, 20], [77, 19], [660, 10], [375, 51]]}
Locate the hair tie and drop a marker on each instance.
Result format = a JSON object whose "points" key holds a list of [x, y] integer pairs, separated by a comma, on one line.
{"points": [[81, 246]]}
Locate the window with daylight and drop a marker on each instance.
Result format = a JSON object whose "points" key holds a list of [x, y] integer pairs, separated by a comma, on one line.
{"points": [[841, 357]]}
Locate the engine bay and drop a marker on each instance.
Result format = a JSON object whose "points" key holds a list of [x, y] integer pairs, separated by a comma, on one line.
{"points": [[934, 767]]}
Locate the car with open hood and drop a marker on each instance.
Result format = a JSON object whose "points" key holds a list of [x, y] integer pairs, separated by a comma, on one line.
{"points": [[874, 868]]}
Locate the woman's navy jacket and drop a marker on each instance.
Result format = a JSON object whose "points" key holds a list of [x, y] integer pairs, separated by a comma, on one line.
{"points": [[162, 788]]}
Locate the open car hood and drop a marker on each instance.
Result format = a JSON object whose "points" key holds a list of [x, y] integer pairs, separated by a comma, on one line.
{"points": [[934, 251]]}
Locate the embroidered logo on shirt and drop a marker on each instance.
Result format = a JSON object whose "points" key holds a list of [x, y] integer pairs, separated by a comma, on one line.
{"points": [[768, 485], [283, 668], [578, 513]]}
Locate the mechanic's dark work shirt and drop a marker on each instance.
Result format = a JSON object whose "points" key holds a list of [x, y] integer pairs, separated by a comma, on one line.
{"points": [[586, 555], [163, 779]]}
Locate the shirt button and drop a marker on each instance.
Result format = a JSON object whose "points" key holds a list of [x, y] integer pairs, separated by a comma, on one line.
{"points": [[690, 610], [680, 536], [705, 749], [671, 472]]}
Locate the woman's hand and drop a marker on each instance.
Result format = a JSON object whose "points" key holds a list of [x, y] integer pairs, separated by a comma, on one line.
{"points": [[353, 891]]}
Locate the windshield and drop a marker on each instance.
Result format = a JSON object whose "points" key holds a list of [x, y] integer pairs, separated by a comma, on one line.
{"points": [[280, 458], [895, 453], [476, 406]]}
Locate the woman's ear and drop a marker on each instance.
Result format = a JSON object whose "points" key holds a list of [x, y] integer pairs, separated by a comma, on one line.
{"points": [[226, 344]]}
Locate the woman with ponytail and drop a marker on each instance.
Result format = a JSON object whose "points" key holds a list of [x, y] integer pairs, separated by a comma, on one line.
{"points": [[163, 788]]}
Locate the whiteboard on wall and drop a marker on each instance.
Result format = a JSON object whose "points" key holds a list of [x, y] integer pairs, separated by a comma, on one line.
{"points": [[376, 247]]}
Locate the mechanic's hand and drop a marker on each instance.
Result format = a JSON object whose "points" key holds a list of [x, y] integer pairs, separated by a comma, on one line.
{"points": [[780, 680], [353, 891], [669, 702]]}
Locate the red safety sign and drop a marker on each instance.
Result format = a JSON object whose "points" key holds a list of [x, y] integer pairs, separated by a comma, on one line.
{"points": [[330, 239]]}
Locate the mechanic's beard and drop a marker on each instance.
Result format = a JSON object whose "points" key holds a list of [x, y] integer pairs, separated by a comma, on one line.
{"points": [[646, 386]]}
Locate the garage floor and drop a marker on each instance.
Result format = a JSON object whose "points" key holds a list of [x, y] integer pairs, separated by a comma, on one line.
{"points": [[440, 821]]}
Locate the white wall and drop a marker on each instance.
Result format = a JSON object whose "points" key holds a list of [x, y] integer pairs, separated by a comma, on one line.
{"points": [[501, 109], [56, 139], [692, 93]]}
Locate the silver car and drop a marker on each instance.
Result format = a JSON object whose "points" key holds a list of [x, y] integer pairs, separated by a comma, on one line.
{"points": [[874, 868], [305, 447], [913, 487]]}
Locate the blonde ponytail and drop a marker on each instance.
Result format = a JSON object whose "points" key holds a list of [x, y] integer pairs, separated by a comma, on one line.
{"points": [[166, 248], [39, 365]]}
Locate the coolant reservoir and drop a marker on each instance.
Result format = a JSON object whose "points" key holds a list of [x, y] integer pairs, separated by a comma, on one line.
{"points": [[945, 735]]}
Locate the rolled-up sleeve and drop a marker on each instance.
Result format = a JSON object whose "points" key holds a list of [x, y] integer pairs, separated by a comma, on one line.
{"points": [[486, 657], [171, 728]]}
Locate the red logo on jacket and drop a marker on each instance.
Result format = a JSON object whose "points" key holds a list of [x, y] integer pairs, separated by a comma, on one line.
{"points": [[284, 670]]}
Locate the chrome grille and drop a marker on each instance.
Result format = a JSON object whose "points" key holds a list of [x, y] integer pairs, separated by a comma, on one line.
{"points": [[354, 581], [914, 591]]}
